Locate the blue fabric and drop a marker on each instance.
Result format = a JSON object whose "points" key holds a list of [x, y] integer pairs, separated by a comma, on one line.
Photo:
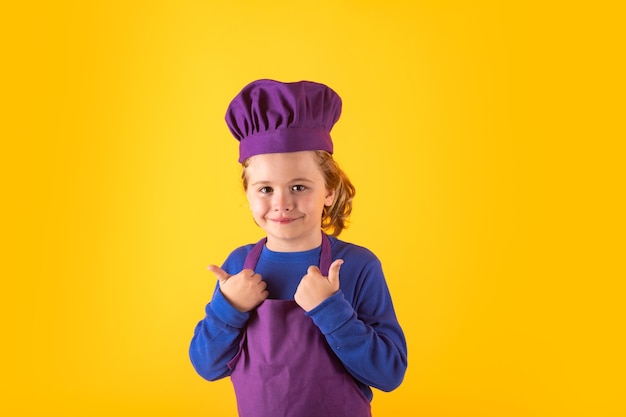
{"points": [[359, 321]]}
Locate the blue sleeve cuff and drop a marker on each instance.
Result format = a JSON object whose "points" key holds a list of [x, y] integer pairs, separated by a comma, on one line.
{"points": [[332, 313], [220, 308]]}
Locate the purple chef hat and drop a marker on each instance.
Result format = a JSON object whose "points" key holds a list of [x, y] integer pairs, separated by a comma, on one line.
{"points": [[273, 117]]}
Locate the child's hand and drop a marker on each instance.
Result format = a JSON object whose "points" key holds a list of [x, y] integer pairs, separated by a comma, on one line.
{"points": [[244, 291], [315, 288]]}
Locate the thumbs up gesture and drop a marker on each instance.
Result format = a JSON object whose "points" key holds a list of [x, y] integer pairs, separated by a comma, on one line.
{"points": [[244, 291], [315, 288]]}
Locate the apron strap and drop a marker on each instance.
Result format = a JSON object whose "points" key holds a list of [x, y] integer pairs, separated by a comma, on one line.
{"points": [[325, 256]]}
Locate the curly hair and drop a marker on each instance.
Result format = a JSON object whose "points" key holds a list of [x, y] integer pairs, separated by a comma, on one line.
{"points": [[334, 217]]}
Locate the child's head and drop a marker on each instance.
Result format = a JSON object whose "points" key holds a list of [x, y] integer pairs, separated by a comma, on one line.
{"points": [[271, 117]]}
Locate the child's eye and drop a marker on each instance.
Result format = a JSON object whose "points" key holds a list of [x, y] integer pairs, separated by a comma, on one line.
{"points": [[265, 190], [298, 188]]}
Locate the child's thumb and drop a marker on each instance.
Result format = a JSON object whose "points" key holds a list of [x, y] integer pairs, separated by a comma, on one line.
{"points": [[221, 275], [333, 271]]}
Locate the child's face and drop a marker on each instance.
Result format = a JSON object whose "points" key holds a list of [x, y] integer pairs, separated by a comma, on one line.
{"points": [[287, 195]]}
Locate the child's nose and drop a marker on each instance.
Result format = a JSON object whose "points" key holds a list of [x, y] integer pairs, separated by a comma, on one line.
{"points": [[282, 201]]}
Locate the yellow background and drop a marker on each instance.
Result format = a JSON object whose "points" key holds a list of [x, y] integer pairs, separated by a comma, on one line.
{"points": [[484, 139]]}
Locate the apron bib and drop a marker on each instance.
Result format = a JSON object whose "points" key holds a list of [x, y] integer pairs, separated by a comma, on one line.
{"points": [[285, 368]]}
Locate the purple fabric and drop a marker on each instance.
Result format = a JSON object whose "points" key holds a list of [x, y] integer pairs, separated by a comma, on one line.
{"points": [[269, 116], [285, 367]]}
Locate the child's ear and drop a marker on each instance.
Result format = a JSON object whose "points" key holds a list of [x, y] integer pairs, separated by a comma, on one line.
{"points": [[330, 198]]}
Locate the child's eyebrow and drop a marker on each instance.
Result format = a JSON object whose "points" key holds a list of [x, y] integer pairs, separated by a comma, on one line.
{"points": [[260, 183], [263, 182]]}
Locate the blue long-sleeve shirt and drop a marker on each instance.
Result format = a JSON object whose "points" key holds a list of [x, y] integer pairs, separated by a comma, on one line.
{"points": [[358, 322]]}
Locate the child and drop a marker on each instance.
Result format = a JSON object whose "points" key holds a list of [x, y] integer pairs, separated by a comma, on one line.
{"points": [[302, 322]]}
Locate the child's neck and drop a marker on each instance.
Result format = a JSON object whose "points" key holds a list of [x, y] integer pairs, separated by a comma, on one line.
{"points": [[293, 245]]}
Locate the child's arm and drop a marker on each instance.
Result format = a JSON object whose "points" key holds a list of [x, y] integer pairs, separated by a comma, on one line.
{"points": [[216, 338], [364, 332]]}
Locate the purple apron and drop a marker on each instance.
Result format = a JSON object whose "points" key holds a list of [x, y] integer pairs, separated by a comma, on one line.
{"points": [[285, 368]]}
